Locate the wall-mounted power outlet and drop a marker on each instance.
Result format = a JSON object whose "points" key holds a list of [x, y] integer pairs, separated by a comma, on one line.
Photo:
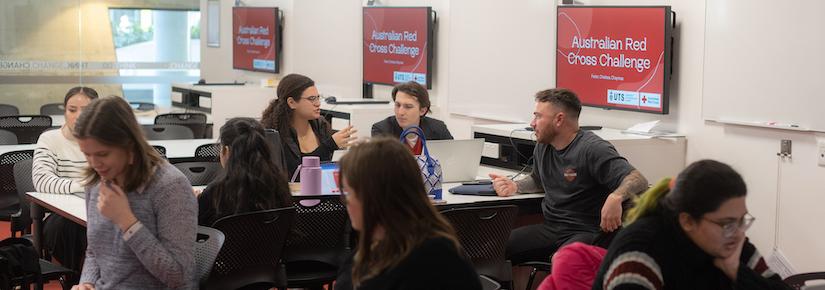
{"points": [[820, 153], [785, 148]]}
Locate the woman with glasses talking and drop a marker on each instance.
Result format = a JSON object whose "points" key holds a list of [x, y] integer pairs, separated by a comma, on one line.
{"points": [[690, 236], [296, 114]]}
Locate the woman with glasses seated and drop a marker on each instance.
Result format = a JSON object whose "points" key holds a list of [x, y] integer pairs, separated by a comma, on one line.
{"points": [[690, 236], [296, 114], [403, 242]]}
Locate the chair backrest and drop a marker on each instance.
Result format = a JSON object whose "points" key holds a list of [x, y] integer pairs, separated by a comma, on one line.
{"points": [[277, 148], [208, 152], [207, 246], [483, 233], [194, 121], [27, 128], [199, 172], [8, 110], [321, 230], [7, 137], [797, 281], [23, 182], [253, 240], [167, 132], [161, 150], [142, 106], [53, 109], [8, 187], [488, 283]]}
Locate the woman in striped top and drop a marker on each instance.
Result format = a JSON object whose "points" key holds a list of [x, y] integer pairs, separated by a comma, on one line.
{"points": [[689, 237], [58, 168]]}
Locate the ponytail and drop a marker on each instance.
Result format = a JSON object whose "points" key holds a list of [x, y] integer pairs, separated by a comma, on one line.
{"points": [[648, 202], [251, 180]]}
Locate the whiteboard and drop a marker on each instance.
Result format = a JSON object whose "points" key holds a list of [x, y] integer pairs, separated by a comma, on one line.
{"points": [[501, 54], [764, 63]]}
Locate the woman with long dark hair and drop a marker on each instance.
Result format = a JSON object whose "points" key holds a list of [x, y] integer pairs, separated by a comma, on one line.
{"points": [[689, 237], [403, 242], [296, 114], [251, 180]]}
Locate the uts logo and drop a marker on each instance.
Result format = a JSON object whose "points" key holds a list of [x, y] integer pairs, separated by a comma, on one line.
{"points": [[570, 174]]}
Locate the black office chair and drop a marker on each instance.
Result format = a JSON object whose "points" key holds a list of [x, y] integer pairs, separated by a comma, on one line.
{"points": [[27, 127], [318, 241], [483, 233], [8, 110], [488, 284], [251, 254], [161, 150], [166, 132], [798, 281], [21, 221], [40, 273], [9, 200], [199, 172], [207, 246], [53, 109], [208, 152], [7, 137], [142, 106], [194, 121]]}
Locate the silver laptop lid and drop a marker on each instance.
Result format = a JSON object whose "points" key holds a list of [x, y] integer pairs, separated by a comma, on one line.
{"points": [[459, 158]]}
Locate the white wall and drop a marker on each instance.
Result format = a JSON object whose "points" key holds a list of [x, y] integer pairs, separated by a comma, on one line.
{"points": [[323, 41]]}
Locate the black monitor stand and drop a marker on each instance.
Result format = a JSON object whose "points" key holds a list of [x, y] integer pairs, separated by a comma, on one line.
{"points": [[367, 91]]}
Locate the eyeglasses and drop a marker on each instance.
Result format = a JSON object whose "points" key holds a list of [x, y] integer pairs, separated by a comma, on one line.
{"points": [[729, 228], [313, 99]]}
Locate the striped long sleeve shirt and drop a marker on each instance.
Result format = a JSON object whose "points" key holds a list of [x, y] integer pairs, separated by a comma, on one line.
{"points": [[58, 164], [654, 253]]}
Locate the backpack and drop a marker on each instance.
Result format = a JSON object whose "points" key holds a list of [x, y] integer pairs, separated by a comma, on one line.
{"points": [[18, 259]]}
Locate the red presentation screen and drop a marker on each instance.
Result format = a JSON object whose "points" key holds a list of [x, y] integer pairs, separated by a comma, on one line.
{"points": [[615, 57], [397, 45], [255, 38]]}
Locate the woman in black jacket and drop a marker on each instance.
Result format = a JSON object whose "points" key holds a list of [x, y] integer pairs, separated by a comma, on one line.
{"points": [[296, 114], [403, 242]]}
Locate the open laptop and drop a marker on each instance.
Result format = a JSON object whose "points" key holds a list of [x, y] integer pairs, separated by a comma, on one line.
{"points": [[459, 158], [329, 178]]}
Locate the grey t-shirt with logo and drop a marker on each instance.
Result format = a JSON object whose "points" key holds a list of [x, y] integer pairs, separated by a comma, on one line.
{"points": [[577, 180]]}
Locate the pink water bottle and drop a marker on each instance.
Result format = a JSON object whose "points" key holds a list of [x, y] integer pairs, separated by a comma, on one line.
{"points": [[311, 175]]}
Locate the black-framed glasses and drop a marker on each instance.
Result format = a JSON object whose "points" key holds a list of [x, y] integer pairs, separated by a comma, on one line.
{"points": [[729, 228]]}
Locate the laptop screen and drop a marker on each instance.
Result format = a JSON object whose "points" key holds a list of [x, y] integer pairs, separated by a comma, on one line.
{"points": [[329, 178]]}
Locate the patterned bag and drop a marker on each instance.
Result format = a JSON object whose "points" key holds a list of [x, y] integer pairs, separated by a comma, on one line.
{"points": [[430, 167]]}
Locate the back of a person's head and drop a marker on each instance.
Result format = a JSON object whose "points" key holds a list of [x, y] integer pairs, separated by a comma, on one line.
{"points": [[703, 187], [700, 188], [387, 180], [250, 180], [110, 121]]}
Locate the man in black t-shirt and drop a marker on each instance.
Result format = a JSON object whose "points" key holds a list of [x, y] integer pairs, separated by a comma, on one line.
{"points": [[584, 180]]}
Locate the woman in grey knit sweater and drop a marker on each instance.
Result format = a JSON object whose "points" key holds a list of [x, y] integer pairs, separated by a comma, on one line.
{"points": [[141, 213]]}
